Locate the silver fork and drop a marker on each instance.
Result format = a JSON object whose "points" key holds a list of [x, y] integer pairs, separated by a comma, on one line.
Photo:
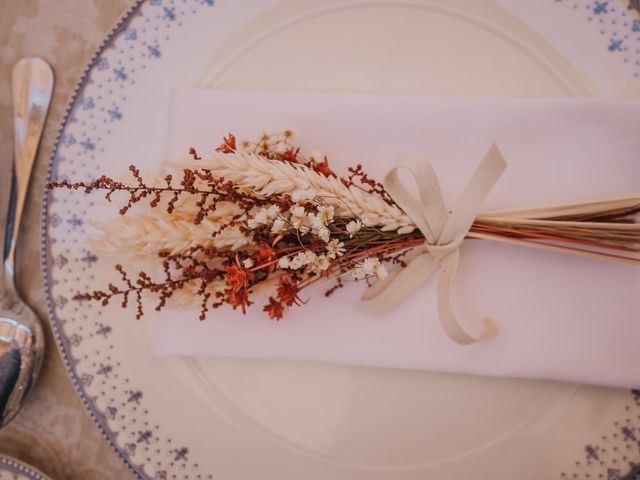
{"points": [[21, 337]]}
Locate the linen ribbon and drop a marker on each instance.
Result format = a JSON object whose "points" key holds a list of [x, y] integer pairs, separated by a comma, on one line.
{"points": [[443, 231]]}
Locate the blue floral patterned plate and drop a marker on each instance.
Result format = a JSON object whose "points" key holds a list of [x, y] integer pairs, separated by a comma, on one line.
{"points": [[12, 469], [199, 418]]}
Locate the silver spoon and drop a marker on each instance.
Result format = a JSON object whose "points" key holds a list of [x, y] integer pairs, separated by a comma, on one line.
{"points": [[21, 337]]}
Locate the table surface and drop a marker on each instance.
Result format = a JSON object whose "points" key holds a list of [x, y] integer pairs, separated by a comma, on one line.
{"points": [[53, 433]]}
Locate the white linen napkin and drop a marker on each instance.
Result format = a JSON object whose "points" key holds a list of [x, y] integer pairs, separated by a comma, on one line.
{"points": [[561, 316]]}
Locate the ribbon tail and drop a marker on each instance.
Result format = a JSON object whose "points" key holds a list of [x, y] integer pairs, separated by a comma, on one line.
{"points": [[455, 331], [388, 292]]}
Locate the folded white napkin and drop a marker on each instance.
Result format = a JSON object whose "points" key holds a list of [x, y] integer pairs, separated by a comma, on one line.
{"points": [[561, 317]]}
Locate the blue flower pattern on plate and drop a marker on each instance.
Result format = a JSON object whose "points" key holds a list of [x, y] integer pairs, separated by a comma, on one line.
{"points": [[100, 100], [617, 23]]}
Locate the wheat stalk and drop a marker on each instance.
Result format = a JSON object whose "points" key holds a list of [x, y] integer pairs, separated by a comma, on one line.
{"points": [[269, 177], [148, 233]]}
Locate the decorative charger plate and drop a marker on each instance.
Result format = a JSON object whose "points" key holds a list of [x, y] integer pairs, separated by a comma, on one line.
{"points": [[12, 469], [201, 418]]}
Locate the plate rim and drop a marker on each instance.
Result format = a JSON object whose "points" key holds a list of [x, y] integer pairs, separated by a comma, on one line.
{"points": [[61, 341]]}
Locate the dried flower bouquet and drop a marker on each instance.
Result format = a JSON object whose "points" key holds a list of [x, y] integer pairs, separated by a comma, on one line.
{"points": [[262, 214]]}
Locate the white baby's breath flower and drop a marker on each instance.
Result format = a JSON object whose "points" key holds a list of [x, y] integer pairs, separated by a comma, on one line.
{"points": [[301, 259], [309, 256], [263, 216], [320, 264], [326, 213], [354, 227], [316, 157], [295, 263], [299, 219], [284, 262], [372, 267], [357, 273], [369, 267], [272, 211], [323, 262], [247, 263], [335, 248], [315, 221], [279, 226], [324, 234], [297, 212]]}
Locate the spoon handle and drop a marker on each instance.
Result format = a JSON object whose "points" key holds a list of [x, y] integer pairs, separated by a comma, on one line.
{"points": [[31, 87]]}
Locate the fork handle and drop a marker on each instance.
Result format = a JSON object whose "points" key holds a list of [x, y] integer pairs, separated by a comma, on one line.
{"points": [[31, 88]]}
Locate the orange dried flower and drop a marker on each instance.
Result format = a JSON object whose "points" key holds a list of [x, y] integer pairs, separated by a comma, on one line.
{"points": [[264, 253], [274, 309], [236, 277], [228, 145], [237, 298], [323, 168], [287, 292], [291, 155]]}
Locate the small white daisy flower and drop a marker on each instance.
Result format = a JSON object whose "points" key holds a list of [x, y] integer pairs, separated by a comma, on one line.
{"points": [[335, 248], [326, 213], [370, 266]]}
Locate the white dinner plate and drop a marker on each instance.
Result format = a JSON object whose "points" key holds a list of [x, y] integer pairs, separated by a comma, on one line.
{"points": [[215, 418]]}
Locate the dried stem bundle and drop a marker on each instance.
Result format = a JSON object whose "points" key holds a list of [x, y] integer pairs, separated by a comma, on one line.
{"points": [[264, 214]]}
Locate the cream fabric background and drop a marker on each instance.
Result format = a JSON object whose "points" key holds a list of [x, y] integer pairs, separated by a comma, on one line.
{"points": [[53, 433]]}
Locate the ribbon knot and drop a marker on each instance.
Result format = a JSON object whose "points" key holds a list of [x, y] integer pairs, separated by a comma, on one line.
{"points": [[443, 231], [441, 251]]}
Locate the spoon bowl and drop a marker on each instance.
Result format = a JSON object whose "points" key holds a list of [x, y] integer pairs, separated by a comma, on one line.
{"points": [[21, 336]]}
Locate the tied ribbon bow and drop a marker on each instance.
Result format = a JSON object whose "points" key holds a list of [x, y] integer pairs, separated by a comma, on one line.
{"points": [[443, 232]]}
